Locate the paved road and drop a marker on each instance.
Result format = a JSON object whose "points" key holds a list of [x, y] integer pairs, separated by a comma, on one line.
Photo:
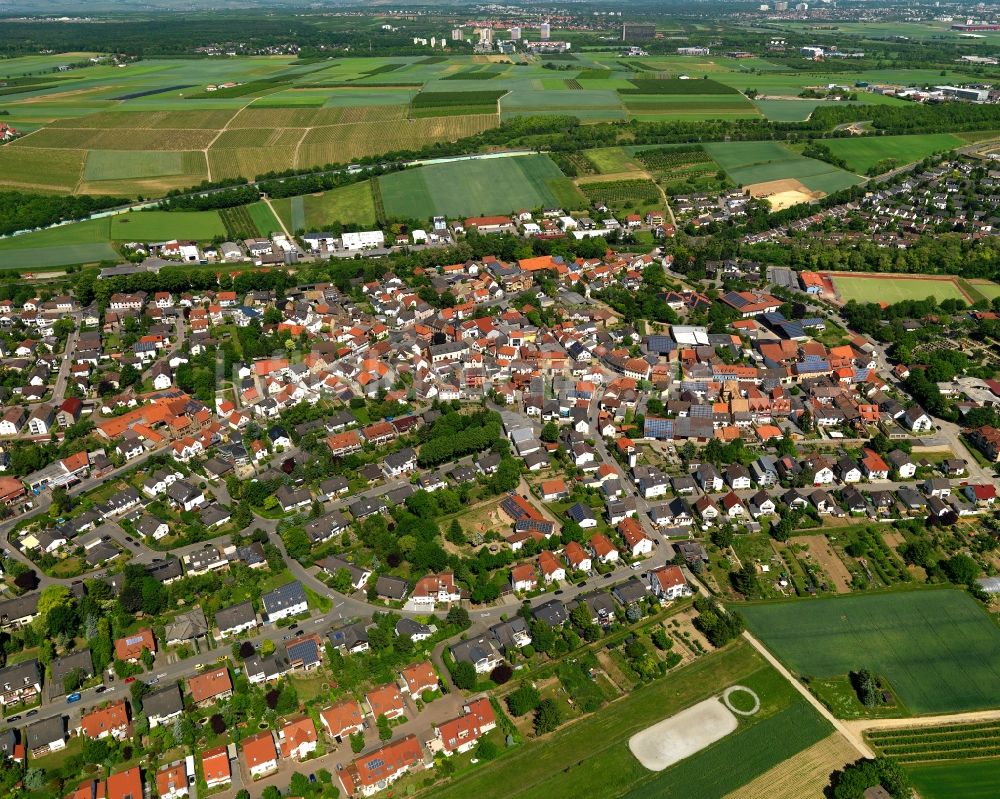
{"points": [[59, 390]]}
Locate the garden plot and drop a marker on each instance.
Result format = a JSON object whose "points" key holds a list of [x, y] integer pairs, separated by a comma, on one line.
{"points": [[680, 736]]}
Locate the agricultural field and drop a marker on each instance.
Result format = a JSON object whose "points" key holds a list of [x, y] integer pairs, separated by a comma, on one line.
{"points": [[476, 187], [80, 242], [591, 757], [612, 160], [804, 774], [348, 205], [891, 288], [912, 745], [862, 153], [750, 163], [938, 649], [166, 225], [975, 779], [622, 193]]}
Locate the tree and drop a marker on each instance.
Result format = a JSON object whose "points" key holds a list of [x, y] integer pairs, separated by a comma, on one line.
{"points": [[464, 676], [357, 742], [52, 596], [550, 433], [961, 569], [523, 700], [547, 716], [384, 728], [455, 533], [73, 680], [459, 617], [858, 777]]}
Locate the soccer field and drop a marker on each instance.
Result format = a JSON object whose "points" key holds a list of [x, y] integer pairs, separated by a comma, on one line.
{"points": [[938, 649], [477, 187], [890, 289]]}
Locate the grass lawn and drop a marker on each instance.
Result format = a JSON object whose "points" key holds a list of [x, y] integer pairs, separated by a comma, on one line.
{"points": [[612, 160], [349, 205], [939, 650], [264, 218], [977, 779], [166, 225], [93, 231], [894, 288], [861, 153], [591, 757], [471, 188]]}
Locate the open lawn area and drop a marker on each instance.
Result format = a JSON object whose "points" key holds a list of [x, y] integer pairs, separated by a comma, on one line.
{"points": [[349, 205], [862, 153], [977, 779], [939, 650], [591, 757], [890, 288], [474, 187], [166, 225]]}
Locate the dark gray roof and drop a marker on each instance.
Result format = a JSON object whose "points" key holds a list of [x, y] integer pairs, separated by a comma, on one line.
{"points": [[391, 587], [552, 612], [46, 731], [284, 596], [164, 702], [235, 616]]}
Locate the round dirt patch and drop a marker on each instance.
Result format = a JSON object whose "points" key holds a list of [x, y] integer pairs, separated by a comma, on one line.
{"points": [[741, 700]]}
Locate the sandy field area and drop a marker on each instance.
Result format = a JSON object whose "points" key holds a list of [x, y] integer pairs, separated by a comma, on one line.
{"points": [[680, 736], [783, 193]]}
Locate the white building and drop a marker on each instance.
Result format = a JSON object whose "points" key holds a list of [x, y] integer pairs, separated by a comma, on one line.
{"points": [[364, 240]]}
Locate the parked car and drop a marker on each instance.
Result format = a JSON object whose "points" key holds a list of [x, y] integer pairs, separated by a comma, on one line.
{"points": [[76, 696]]}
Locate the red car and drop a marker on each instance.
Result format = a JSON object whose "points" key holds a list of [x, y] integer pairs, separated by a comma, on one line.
{"points": [[129, 679]]}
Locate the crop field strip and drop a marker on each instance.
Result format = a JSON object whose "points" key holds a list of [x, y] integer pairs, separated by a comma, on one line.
{"points": [[947, 742], [238, 223], [968, 779], [617, 192]]}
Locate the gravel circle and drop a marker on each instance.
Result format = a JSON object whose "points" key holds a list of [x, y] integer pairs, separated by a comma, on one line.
{"points": [[741, 689]]}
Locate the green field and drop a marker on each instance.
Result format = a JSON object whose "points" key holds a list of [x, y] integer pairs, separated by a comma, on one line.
{"points": [[131, 164], [976, 779], [77, 243], [895, 288], [148, 226], [864, 152], [476, 187], [591, 757], [352, 205], [938, 649], [747, 163], [612, 160]]}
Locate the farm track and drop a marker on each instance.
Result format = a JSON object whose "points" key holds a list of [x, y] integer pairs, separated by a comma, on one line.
{"points": [[853, 736]]}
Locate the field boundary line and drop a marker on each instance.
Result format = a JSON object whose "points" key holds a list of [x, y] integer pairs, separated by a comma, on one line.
{"points": [[854, 737], [298, 145], [281, 221], [218, 133]]}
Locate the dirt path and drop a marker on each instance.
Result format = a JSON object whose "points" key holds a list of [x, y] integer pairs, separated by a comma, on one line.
{"points": [[862, 725], [267, 201], [828, 560], [223, 129], [853, 736]]}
